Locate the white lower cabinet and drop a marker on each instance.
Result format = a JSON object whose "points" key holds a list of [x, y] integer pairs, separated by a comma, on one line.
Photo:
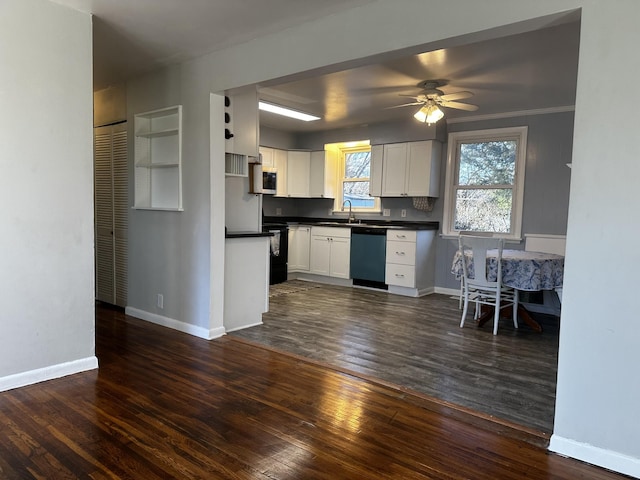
{"points": [[410, 263], [330, 251], [299, 244]]}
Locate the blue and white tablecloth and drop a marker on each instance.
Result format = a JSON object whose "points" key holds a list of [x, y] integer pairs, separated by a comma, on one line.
{"points": [[523, 270]]}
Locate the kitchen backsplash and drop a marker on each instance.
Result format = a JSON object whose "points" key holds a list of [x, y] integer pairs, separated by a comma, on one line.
{"points": [[319, 208]]}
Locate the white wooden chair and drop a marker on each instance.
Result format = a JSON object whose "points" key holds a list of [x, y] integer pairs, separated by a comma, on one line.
{"points": [[475, 234], [477, 288]]}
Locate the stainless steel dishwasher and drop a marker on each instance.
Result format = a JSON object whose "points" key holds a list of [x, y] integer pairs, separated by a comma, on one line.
{"points": [[368, 256]]}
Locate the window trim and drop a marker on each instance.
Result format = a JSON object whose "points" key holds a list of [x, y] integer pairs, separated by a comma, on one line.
{"points": [[455, 138], [340, 179]]}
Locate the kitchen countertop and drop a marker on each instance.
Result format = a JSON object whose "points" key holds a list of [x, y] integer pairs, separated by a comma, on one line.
{"points": [[247, 234], [326, 222]]}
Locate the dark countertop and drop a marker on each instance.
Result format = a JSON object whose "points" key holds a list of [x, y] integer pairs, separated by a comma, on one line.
{"points": [[247, 234], [328, 222]]}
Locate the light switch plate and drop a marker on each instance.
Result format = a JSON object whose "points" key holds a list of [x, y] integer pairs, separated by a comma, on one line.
{"points": [[386, 212]]}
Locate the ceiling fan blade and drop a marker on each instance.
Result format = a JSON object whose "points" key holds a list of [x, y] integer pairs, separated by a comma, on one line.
{"points": [[460, 106], [456, 96], [405, 105]]}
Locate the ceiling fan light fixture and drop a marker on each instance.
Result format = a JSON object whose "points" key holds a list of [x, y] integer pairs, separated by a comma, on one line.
{"points": [[429, 114]]}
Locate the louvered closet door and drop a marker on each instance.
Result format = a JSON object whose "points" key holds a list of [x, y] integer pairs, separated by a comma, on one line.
{"points": [[111, 206]]}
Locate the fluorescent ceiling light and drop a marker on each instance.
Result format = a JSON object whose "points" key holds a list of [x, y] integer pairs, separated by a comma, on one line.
{"points": [[269, 107]]}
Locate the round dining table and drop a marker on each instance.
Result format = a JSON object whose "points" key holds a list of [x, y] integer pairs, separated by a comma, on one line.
{"points": [[522, 270]]}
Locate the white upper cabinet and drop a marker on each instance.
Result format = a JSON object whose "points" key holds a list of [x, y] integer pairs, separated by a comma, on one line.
{"points": [[394, 163], [266, 156], [375, 180], [280, 164], [423, 169], [298, 170], [275, 160], [322, 175], [410, 169]]}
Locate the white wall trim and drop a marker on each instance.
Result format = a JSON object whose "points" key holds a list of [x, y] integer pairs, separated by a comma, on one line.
{"points": [[176, 324], [47, 373], [596, 456], [244, 326], [447, 291], [517, 113]]}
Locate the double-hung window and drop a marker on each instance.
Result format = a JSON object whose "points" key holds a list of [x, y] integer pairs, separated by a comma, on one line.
{"points": [[354, 172], [485, 182]]}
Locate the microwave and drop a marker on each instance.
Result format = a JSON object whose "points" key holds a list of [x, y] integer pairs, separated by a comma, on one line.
{"points": [[264, 181]]}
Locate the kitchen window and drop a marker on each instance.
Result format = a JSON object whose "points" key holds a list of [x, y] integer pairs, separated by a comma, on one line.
{"points": [[485, 182], [353, 178]]}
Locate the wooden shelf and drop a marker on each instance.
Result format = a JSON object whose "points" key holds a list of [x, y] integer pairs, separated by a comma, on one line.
{"points": [[158, 159]]}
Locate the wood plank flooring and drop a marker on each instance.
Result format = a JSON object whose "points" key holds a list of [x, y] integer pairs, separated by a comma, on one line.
{"points": [[417, 343], [168, 405]]}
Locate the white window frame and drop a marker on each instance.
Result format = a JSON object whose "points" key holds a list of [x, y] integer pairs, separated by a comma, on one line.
{"points": [[337, 206], [497, 134]]}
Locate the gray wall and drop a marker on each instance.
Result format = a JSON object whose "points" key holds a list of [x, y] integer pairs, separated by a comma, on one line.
{"points": [[46, 192], [169, 252], [547, 179], [546, 194]]}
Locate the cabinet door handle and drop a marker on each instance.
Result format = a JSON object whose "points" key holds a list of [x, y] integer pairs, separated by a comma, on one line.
{"points": [[400, 253], [399, 275], [401, 236]]}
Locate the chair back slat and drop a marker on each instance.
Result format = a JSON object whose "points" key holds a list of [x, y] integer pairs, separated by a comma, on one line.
{"points": [[477, 247]]}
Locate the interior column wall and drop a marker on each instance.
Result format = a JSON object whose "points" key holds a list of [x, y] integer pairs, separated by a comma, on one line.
{"points": [[46, 190]]}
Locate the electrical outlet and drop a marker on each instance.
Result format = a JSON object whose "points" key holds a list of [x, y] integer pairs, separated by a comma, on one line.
{"points": [[330, 212], [386, 212], [403, 212], [160, 300], [278, 211]]}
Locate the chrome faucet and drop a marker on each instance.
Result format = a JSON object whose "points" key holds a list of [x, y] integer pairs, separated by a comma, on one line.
{"points": [[352, 218]]}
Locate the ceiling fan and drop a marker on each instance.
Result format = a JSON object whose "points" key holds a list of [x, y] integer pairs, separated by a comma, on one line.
{"points": [[431, 98]]}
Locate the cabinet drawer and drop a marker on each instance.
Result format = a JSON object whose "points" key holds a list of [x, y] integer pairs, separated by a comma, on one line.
{"points": [[403, 253], [400, 275], [401, 235], [331, 232]]}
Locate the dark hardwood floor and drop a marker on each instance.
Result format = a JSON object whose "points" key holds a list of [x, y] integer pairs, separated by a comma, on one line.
{"points": [[416, 343], [168, 405]]}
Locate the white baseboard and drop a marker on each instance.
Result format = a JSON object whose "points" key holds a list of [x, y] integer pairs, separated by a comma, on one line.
{"points": [[455, 292], [176, 324], [596, 456], [312, 277], [47, 373], [244, 326]]}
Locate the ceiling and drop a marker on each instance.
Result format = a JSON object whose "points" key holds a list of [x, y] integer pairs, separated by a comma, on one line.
{"points": [[533, 70]]}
